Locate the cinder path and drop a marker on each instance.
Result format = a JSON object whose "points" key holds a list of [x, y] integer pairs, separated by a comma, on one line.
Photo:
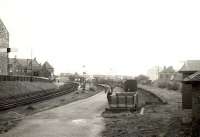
{"points": [[78, 119]]}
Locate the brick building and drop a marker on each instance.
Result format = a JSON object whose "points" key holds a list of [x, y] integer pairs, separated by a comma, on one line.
{"points": [[4, 44], [28, 67], [24, 67], [47, 70]]}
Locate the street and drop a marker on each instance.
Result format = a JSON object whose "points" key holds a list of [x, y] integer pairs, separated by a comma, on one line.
{"points": [[78, 119]]}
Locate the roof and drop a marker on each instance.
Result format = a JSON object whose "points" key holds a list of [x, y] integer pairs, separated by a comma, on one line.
{"points": [[22, 62], [25, 62], [3, 29], [47, 65], [193, 77], [4, 35], [191, 65]]}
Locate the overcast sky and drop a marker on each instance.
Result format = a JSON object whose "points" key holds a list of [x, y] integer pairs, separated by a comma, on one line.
{"points": [[107, 36]]}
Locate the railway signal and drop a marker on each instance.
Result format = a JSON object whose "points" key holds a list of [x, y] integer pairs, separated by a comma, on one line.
{"points": [[7, 50]]}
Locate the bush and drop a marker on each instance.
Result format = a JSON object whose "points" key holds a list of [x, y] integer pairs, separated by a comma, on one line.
{"points": [[162, 84], [173, 86], [92, 89]]}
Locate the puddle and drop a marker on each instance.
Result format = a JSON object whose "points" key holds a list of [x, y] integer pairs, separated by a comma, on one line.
{"points": [[79, 121]]}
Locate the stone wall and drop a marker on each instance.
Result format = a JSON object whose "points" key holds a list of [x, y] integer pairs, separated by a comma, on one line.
{"points": [[4, 43]]}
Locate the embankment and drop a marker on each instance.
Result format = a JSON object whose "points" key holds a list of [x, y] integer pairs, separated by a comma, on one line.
{"points": [[17, 88]]}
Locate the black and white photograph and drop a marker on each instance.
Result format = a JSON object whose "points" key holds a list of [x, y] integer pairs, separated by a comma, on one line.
{"points": [[99, 68]]}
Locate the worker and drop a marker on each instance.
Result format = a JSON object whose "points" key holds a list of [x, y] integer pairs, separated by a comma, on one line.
{"points": [[109, 93]]}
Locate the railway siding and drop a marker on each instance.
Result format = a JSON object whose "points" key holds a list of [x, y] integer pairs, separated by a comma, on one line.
{"points": [[24, 98]]}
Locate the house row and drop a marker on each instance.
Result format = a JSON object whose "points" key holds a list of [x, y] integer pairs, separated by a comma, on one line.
{"points": [[29, 67]]}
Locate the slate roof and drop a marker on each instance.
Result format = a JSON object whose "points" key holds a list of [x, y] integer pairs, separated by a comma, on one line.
{"points": [[3, 30], [193, 77], [4, 36], [47, 65], [191, 65], [25, 62]]}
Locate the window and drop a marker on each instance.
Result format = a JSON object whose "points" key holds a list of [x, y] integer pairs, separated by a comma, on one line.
{"points": [[25, 70]]}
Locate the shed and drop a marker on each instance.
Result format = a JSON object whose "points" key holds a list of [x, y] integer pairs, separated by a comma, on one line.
{"points": [[194, 81], [190, 67]]}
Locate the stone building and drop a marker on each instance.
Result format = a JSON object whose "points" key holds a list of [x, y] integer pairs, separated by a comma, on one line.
{"points": [[24, 67], [4, 44]]}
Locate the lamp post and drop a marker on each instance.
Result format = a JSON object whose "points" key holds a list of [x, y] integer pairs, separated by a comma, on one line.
{"points": [[84, 77]]}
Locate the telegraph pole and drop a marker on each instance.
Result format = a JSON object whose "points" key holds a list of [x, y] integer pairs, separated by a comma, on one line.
{"points": [[84, 77], [158, 70], [31, 65]]}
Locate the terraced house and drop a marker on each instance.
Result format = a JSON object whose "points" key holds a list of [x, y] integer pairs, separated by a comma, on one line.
{"points": [[30, 67], [24, 67], [4, 44]]}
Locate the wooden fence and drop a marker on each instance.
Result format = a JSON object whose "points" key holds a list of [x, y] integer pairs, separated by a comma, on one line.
{"points": [[23, 78]]}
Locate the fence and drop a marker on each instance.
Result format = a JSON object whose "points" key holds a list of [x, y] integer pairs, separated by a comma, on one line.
{"points": [[23, 78]]}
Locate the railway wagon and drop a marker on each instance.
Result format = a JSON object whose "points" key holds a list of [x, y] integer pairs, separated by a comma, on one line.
{"points": [[124, 100], [130, 85]]}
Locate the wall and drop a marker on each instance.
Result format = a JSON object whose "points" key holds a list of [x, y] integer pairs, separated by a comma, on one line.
{"points": [[145, 98], [4, 43], [186, 96]]}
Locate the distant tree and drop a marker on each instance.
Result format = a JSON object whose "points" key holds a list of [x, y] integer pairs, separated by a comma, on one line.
{"points": [[142, 79], [72, 78]]}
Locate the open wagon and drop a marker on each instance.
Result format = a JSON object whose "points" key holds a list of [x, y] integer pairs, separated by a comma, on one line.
{"points": [[124, 100]]}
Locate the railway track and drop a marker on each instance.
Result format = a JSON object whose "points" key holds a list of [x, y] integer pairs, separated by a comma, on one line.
{"points": [[12, 102]]}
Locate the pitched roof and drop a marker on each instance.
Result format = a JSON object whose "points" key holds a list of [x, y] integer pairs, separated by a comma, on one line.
{"points": [[193, 77], [191, 65], [22, 62], [47, 65], [3, 30], [25, 62], [4, 35]]}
